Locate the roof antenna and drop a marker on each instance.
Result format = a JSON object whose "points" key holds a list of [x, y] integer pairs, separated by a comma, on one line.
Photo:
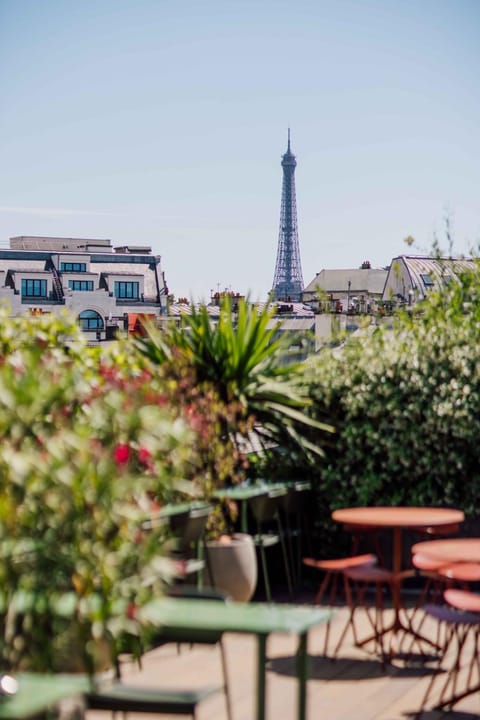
{"points": [[288, 150]]}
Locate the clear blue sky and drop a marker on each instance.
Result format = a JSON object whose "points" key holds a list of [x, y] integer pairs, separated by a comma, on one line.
{"points": [[163, 122]]}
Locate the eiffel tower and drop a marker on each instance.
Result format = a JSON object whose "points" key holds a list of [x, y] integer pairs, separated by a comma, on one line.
{"points": [[288, 279]]}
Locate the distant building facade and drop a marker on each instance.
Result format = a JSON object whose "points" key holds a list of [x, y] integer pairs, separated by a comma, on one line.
{"points": [[106, 288], [356, 290], [412, 277]]}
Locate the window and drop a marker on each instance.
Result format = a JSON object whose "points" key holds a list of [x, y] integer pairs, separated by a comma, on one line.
{"points": [[73, 267], [80, 284], [128, 290], [427, 280], [90, 320], [34, 288]]}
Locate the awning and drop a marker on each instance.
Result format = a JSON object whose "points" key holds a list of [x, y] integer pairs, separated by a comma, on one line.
{"points": [[136, 320], [132, 321]]}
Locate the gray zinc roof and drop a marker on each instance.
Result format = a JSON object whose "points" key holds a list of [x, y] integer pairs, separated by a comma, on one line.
{"points": [[437, 268], [370, 280]]}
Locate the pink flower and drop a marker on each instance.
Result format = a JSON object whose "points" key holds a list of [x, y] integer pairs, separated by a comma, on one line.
{"points": [[122, 454]]}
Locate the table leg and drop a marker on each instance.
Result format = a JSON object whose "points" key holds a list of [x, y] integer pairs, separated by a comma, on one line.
{"points": [[261, 675], [397, 625], [302, 674], [397, 569], [243, 516]]}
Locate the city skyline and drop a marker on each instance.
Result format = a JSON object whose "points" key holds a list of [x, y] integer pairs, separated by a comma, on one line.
{"points": [[164, 123]]}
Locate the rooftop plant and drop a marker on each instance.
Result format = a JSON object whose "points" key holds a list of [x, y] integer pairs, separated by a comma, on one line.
{"points": [[240, 361], [242, 357]]}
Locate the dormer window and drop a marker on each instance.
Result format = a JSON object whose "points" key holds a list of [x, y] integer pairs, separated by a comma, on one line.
{"points": [[127, 290], [73, 267], [34, 288], [85, 285], [427, 280]]}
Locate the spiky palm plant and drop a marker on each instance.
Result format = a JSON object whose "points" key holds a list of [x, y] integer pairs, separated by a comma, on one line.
{"points": [[243, 357]]}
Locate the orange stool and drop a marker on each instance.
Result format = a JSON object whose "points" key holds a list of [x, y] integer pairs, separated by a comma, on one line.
{"points": [[334, 569]]}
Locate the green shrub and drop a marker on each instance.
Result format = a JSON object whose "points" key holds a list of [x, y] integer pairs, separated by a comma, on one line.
{"points": [[406, 406]]}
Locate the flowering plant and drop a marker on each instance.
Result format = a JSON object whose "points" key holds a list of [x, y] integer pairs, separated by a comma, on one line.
{"points": [[83, 444]]}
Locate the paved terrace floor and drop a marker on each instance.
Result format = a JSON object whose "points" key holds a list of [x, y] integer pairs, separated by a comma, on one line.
{"points": [[354, 687]]}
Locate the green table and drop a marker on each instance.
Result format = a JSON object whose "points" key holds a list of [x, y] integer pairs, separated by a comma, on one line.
{"points": [[170, 511], [39, 693], [252, 618], [244, 493]]}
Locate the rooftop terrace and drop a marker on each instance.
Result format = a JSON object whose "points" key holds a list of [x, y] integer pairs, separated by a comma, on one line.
{"points": [[353, 687]]}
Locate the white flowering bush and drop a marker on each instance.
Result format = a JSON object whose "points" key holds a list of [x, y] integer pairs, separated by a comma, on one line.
{"points": [[406, 406]]}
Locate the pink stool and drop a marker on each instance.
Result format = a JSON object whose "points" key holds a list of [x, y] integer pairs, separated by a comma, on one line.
{"points": [[462, 619], [357, 582], [335, 569]]}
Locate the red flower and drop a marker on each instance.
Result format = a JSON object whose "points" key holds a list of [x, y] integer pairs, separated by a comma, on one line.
{"points": [[122, 454], [144, 456]]}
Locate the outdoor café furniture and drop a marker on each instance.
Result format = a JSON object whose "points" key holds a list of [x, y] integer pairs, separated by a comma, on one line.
{"points": [[426, 567], [293, 509], [450, 550], [187, 522], [461, 616], [119, 697], [167, 635], [263, 500], [256, 619], [333, 569], [357, 581], [461, 573], [265, 509], [37, 694], [242, 494], [115, 695], [441, 577], [446, 565], [247, 490], [363, 538], [398, 519], [432, 590]]}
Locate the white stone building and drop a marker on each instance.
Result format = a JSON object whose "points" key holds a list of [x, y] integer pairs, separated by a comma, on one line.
{"points": [[106, 288], [356, 290]]}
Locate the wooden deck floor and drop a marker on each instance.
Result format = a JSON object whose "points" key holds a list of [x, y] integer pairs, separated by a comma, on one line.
{"points": [[354, 687]]}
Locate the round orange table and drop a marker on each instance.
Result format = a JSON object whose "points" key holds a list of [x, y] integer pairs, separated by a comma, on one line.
{"points": [[453, 550], [398, 519]]}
